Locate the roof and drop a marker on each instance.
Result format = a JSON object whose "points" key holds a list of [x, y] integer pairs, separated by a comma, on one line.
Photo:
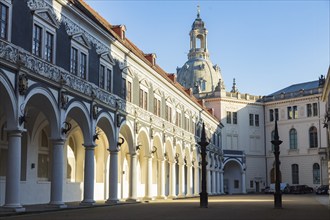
{"points": [[298, 87]]}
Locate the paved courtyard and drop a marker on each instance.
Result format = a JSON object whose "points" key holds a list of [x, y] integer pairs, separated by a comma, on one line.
{"points": [[225, 207]]}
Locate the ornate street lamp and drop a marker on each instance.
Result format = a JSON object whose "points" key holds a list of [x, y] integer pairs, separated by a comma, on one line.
{"points": [[277, 195], [203, 195]]}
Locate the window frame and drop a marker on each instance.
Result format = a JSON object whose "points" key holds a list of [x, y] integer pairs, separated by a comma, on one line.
{"points": [[9, 19], [80, 50], [251, 119], [228, 117], [256, 120], [235, 118], [293, 139], [46, 27], [313, 140], [107, 67]]}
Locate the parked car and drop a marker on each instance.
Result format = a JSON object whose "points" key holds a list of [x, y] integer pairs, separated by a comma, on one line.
{"points": [[284, 187], [301, 189], [323, 189]]}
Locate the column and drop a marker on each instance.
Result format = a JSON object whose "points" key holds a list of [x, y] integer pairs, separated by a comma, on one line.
{"points": [[172, 180], [243, 182], [213, 182], [218, 183], [89, 176], [13, 175], [161, 180], [208, 181], [132, 194], [181, 180], [189, 178], [221, 183], [56, 195], [148, 184], [113, 177], [196, 190]]}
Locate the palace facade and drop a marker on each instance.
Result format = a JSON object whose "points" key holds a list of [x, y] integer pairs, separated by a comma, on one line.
{"points": [[85, 115]]}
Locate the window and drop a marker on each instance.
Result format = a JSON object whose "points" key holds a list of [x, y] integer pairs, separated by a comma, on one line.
{"points": [[4, 21], [295, 112], [292, 112], [37, 36], [79, 56], [271, 115], [178, 119], [105, 77], [78, 64], [256, 120], [228, 117], [276, 114], [309, 110], [74, 61], [313, 137], [295, 173], [168, 113], [235, 118], [315, 113], [251, 119], [49, 47], [272, 135], [156, 106], [123, 89], [316, 173], [43, 39], [293, 139], [143, 99], [129, 91], [203, 85], [251, 183], [187, 123]]}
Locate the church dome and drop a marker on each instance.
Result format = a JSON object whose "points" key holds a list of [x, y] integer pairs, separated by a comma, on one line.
{"points": [[198, 73]]}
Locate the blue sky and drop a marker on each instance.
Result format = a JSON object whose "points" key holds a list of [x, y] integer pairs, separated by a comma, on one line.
{"points": [[265, 45]]}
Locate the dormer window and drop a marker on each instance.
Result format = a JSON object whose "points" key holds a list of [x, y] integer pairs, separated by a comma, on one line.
{"points": [[79, 56], [105, 72], [44, 34], [4, 10]]}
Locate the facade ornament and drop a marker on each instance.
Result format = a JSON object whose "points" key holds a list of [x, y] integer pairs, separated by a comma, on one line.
{"points": [[95, 111], [64, 99], [23, 83], [37, 4]]}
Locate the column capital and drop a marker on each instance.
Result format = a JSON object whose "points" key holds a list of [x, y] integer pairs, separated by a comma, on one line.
{"points": [[89, 146], [58, 141]]}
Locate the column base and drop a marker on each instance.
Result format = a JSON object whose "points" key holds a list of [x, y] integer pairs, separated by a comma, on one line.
{"points": [[161, 197], [148, 198], [60, 205], [13, 208], [132, 200], [87, 203], [181, 196], [172, 197], [112, 201]]}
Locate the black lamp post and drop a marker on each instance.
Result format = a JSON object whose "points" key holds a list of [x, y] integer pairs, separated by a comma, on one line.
{"points": [[203, 195], [277, 195]]}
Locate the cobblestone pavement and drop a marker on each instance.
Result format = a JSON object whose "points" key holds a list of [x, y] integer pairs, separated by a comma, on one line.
{"points": [[227, 207]]}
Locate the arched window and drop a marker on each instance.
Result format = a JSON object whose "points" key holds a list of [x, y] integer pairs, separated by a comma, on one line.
{"points": [[272, 138], [293, 139], [313, 137], [295, 173], [316, 173]]}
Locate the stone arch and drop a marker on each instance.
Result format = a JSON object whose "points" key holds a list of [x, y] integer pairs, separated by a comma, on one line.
{"points": [[41, 99], [233, 181], [79, 112], [8, 101]]}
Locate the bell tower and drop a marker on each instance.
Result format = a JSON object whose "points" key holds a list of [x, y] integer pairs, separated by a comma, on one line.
{"points": [[198, 40]]}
